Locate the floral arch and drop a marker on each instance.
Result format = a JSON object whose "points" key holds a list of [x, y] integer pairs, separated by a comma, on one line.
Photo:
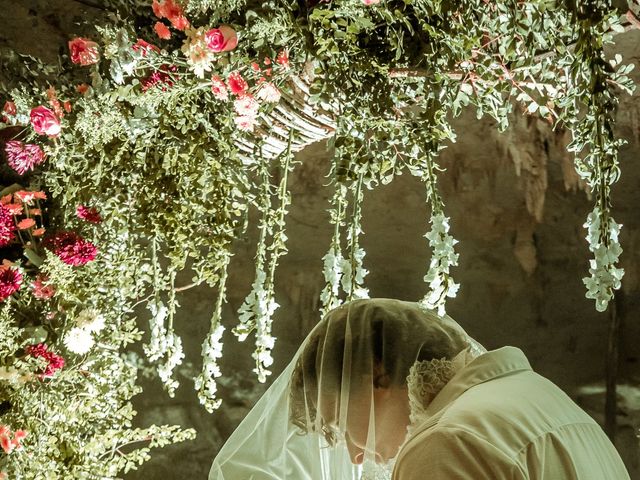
{"points": [[143, 150]]}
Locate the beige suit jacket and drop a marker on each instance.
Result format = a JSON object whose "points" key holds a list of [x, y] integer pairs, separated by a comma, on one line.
{"points": [[499, 420]]}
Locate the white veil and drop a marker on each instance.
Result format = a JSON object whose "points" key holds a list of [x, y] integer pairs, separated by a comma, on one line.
{"points": [[339, 411]]}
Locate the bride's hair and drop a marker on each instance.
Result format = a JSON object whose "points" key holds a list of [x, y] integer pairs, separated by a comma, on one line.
{"points": [[374, 342]]}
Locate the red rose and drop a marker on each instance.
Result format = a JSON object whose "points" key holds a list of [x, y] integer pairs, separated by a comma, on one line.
{"points": [[84, 51], [45, 122], [221, 39]]}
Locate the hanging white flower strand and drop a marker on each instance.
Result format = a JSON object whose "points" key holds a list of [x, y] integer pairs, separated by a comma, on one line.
{"points": [[333, 260], [594, 82], [256, 312], [205, 383], [443, 255], [164, 344], [353, 270]]}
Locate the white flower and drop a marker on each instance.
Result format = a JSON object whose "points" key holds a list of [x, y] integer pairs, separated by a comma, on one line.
{"points": [[443, 257], [199, 56], [246, 105], [269, 93], [78, 340], [245, 123]]}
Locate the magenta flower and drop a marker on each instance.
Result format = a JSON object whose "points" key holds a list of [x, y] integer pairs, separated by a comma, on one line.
{"points": [[10, 281], [89, 214], [54, 362], [71, 248], [23, 156], [7, 227]]}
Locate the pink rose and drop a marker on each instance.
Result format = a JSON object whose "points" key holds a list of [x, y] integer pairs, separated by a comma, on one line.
{"points": [[45, 122], [84, 51], [221, 39]]}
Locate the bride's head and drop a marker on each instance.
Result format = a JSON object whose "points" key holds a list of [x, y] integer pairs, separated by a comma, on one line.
{"points": [[350, 380]]}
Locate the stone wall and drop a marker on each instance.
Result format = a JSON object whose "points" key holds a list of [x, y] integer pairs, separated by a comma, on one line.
{"points": [[522, 257]]}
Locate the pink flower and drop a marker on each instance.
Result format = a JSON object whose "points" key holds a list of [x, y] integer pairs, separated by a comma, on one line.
{"points": [[162, 30], [45, 122], [144, 47], [236, 83], [71, 248], [245, 122], [23, 156], [10, 281], [84, 51], [283, 58], [54, 362], [26, 223], [89, 214], [370, 2], [7, 227], [41, 290], [246, 105], [219, 89], [10, 109], [38, 232], [221, 39], [269, 93], [28, 196]]}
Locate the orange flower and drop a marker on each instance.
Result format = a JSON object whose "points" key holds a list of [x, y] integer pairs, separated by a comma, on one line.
{"points": [[38, 232], [82, 88], [26, 223], [162, 30], [35, 212], [6, 199], [27, 196]]}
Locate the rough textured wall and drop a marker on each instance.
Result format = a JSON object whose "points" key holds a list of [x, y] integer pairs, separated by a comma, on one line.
{"points": [[521, 277]]}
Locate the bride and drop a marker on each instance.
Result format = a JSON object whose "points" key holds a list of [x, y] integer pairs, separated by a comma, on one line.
{"points": [[383, 388]]}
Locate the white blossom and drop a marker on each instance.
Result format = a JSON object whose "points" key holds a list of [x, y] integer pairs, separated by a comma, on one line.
{"points": [[205, 383], [79, 340], [333, 271], [605, 276], [199, 56], [443, 257], [269, 93], [256, 313]]}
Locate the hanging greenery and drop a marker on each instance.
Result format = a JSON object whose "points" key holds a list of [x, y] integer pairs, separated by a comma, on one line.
{"points": [[145, 148]]}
